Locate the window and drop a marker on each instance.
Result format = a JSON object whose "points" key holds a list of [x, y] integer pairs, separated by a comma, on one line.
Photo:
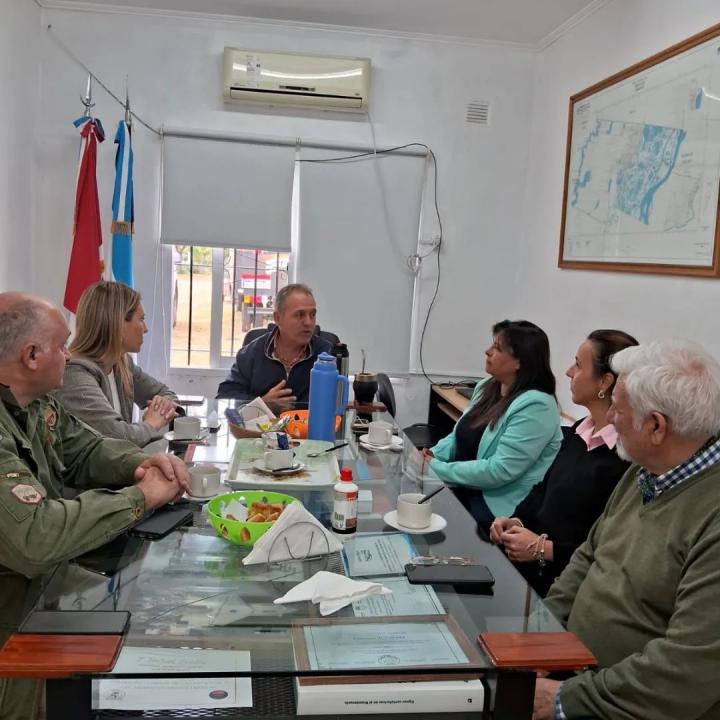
{"points": [[219, 294]]}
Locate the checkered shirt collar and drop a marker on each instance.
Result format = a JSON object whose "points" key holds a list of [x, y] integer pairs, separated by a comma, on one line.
{"points": [[652, 486]]}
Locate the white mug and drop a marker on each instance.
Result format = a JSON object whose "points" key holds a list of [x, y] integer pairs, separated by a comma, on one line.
{"points": [[186, 428], [204, 480], [412, 515], [279, 459], [380, 432]]}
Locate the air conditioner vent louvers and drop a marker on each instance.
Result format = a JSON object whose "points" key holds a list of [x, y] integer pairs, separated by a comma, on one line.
{"points": [[478, 112], [305, 81]]}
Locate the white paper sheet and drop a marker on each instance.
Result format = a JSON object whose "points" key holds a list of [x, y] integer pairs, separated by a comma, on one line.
{"points": [[151, 693], [369, 554], [406, 599]]}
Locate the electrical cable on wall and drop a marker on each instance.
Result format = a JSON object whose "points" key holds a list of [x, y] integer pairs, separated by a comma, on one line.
{"points": [[79, 62], [417, 258]]}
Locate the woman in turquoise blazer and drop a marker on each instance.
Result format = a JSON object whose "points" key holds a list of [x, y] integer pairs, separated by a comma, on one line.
{"points": [[510, 432]]}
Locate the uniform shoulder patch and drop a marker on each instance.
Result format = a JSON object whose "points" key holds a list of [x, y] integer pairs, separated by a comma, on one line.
{"points": [[27, 494]]}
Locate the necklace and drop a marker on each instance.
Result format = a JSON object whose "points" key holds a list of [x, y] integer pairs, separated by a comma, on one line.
{"points": [[285, 360]]}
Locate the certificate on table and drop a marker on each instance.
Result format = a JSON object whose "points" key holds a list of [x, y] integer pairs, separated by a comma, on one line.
{"points": [[365, 644], [369, 554], [406, 599], [153, 693]]}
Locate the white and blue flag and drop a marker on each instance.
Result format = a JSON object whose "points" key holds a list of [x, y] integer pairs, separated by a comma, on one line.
{"points": [[122, 207]]}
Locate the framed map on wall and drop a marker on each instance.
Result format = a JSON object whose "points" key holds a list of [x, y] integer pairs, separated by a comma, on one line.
{"points": [[642, 170]]}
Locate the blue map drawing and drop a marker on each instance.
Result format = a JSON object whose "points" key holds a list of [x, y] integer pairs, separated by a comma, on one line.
{"points": [[646, 156]]}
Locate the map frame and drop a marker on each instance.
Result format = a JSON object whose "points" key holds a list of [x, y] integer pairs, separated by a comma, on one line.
{"points": [[614, 260]]}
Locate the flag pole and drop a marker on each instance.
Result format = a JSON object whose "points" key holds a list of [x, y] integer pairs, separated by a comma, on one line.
{"points": [[87, 101]]}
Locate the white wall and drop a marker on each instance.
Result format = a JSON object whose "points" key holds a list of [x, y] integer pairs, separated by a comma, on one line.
{"points": [[571, 303], [420, 92], [19, 87], [500, 188]]}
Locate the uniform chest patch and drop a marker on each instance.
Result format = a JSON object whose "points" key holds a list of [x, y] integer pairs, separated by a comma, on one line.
{"points": [[27, 494], [50, 417]]}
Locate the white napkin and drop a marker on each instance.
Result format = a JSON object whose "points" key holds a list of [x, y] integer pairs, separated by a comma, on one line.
{"points": [[332, 591], [300, 538], [256, 414]]}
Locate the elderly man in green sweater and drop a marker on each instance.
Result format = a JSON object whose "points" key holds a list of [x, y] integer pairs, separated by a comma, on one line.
{"points": [[643, 591]]}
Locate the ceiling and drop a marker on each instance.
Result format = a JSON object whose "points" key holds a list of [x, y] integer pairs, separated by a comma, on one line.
{"points": [[526, 22]]}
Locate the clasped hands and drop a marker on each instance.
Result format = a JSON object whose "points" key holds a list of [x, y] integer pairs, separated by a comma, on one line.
{"points": [[520, 543], [162, 479], [160, 411]]}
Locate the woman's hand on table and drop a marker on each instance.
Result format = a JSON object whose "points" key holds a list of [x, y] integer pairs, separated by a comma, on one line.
{"points": [[522, 545], [501, 525], [160, 411]]}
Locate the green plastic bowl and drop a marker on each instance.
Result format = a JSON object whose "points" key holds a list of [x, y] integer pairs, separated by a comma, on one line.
{"points": [[244, 533]]}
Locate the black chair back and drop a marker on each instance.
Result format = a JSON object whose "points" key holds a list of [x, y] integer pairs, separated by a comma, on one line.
{"points": [[385, 392]]}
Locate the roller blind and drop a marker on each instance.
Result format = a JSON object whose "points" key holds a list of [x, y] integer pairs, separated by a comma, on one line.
{"points": [[225, 193], [359, 222]]}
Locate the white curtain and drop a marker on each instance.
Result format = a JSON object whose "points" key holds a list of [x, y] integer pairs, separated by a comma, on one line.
{"points": [[225, 193]]}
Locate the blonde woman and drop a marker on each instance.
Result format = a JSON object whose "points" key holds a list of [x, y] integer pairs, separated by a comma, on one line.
{"points": [[101, 382]]}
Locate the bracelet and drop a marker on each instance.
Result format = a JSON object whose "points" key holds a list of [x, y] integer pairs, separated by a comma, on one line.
{"points": [[518, 522], [541, 556]]}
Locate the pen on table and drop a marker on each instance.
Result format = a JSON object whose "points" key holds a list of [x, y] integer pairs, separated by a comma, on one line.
{"points": [[432, 494]]}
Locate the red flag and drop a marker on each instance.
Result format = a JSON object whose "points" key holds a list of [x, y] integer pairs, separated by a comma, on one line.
{"points": [[86, 261]]}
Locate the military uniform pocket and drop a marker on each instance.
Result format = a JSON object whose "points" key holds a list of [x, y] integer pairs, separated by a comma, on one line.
{"points": [[20, 493]]}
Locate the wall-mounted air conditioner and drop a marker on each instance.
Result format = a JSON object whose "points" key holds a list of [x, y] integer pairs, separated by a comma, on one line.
{"points": [[310, 81]]}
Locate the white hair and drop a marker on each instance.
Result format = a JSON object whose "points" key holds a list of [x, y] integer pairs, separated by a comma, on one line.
{"points": [[676, 378]]}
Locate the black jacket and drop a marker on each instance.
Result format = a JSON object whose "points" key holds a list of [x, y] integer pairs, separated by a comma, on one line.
{"points": [[254, 372], [567, 502]]}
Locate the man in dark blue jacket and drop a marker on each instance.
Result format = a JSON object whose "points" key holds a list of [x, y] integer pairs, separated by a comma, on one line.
{"points": [[276, 366]]}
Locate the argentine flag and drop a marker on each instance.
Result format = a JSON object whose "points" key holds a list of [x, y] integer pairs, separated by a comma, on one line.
{"points": [[122, 207]]}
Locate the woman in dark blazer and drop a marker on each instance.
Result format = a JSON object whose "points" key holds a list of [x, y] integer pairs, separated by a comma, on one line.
{"points": [[556, 516]]}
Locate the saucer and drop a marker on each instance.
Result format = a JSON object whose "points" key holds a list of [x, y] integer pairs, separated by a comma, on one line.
{"points": [[204, 498], [170, 437], [437, 523], [395, 444], [259, 464]]}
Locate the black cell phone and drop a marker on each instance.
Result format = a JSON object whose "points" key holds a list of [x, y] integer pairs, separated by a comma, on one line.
{"points": [[162, 522], [76, 622], [464, 575]]}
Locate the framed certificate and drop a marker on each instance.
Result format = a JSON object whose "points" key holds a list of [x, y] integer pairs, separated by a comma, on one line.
{"points": [[373, 646], [642, 168]]}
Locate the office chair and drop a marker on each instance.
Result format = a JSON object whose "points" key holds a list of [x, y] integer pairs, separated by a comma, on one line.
{"points": [[420, 434], [385, 393], [255, 333]]}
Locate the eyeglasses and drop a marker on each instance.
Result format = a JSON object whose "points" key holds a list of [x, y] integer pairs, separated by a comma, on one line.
{"points": [[432, 560]]}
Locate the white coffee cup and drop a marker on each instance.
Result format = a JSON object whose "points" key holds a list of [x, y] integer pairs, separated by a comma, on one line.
{"points": [[186, 428], [204, 480], [380, 432], [412, 515], [279, 459]]}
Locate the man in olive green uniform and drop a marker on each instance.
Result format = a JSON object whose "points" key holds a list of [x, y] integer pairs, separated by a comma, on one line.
{"points": [[43, 449]]}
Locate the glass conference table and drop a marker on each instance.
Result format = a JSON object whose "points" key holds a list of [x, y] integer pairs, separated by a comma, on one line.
{"points": [[196, 612]]}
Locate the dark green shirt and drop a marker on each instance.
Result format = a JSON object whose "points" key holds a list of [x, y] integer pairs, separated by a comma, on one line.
{"points": [[43, 451]]}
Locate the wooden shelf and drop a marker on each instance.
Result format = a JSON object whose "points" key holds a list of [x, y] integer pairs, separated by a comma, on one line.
{"points": [[449, 410]]}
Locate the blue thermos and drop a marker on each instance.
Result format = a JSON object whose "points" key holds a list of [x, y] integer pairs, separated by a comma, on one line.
{"points": [[324, 379]]}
